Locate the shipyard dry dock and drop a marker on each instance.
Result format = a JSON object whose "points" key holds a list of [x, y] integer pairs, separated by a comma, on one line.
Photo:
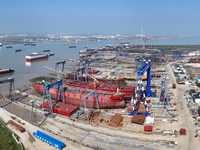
{"points": [[172, 123]]}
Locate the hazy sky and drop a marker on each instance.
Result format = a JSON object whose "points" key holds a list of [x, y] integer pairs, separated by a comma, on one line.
{"points": [[157, 17]]}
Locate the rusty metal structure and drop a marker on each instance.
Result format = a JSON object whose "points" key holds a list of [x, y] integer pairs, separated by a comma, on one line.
{"points": [[115, 121]]}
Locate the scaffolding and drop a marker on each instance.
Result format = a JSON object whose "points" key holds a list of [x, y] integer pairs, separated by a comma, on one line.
{"points": [[47, 96], [94, 96], [164, 98], [177, 54], [146, 67], [12, 87], [34, 105]]}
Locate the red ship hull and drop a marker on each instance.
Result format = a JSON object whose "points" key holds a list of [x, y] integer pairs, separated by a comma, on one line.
{"points": [[91, 71], [128, 90], [106, 101], [117, 81]]}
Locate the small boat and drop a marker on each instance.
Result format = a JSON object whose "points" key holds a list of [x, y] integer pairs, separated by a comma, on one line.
{"points": [[25, 44], [71, 46], [33, 44], [18, 50], [35, 56], [46, 50], [9, 47], [124, 43], [49, 53], [6, 70], [87, 51], [0, 44]]}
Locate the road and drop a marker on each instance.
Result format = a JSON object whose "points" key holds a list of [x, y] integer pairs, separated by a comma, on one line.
{"points": [[82, 134], [188, 142]]}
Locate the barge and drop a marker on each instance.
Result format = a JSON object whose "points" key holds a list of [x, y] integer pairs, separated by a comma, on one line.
{"points": [[35, 56], [6, 70]]}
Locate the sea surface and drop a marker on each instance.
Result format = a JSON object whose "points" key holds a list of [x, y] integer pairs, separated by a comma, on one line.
{"points": [[24, 71]]}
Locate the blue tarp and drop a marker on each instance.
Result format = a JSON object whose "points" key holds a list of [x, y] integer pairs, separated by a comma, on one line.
{"points": [[48, 139]]}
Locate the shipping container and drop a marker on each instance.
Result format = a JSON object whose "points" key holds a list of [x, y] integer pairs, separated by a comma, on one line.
{"points": [[174, 103], [148, 100], [174, 86], [149, 120], [167, 132], [148, 128], [182, 131], [197, 118], [48, 139]]}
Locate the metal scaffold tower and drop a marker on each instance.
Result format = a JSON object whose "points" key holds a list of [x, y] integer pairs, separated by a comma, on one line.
{"points": [[48, 86], [12, 87], [145, 40], [164, 98], [94, 96], [81, 68], [177, 54], [163, 51], [62, 68], [118, 52], [140, 87], [162, 87], [89, 63], [47, 96], [34, 105], [102, 57]]}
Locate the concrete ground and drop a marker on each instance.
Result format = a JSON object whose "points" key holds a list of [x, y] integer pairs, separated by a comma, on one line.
{"points": [[77, 135]]}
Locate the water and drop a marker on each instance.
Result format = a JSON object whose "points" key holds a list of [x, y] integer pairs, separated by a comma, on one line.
{"points": [[24, 71]]}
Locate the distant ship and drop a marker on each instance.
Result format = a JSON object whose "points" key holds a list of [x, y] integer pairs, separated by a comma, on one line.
{"points": [[48, 52], [35, 56], [6, 70], [18, 50], [124, 43], [25, 44], [0, 45], [9, 47], [87, 52], [33, 44], [71, 46]]}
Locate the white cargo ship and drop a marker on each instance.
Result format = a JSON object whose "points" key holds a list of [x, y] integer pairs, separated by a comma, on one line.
{"points": [[35, 56]]}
